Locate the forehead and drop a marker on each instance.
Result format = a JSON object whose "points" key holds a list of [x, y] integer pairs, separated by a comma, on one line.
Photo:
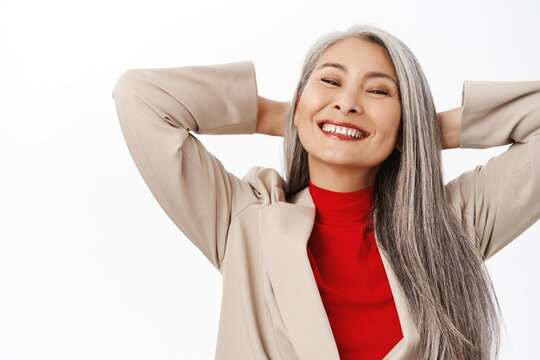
{"points": [[358, 55]]}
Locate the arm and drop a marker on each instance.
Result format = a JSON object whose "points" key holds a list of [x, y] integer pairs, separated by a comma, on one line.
{"points": [[157, 109], [272, 116], [499, 200], [450, 120]]}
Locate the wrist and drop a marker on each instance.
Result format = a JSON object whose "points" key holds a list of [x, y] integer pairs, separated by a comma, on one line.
{"points": [[262, 116], [271, 116], [450, 121]]}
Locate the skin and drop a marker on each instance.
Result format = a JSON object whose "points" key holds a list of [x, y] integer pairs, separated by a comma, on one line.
{"points": [[372, 104], [348, 94]]}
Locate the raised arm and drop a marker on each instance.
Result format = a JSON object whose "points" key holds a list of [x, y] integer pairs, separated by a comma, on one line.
{"points": [[272, 116], [157, 109], [450, 121], [501, 199]]}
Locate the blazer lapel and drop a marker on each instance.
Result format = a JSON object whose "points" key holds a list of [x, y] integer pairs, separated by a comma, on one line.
{"points": [[404, 349], [285, 228]]}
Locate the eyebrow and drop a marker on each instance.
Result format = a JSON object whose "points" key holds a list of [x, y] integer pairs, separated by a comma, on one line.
{"points": [[371, 74]]}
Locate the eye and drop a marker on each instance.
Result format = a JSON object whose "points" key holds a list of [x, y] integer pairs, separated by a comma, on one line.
{"points": [[377, 91], [330, 82]]}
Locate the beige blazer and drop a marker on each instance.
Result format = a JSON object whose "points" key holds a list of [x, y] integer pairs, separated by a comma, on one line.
{"points": [[271, 307]]}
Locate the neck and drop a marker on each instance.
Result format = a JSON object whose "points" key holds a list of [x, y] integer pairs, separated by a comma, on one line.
{"points": [[340, 178], [341, 208]]}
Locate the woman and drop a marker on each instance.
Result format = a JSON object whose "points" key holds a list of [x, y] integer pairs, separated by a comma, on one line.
{"points": [[362, 129]]}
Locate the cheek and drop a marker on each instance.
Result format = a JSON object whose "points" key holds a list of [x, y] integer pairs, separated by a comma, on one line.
{"points": [[311, 100], [392, 120], [302, 121], [302, 112]]}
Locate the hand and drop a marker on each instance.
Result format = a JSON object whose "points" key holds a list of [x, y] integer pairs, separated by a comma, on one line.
{"points": [[450, 121], [272, 116]]}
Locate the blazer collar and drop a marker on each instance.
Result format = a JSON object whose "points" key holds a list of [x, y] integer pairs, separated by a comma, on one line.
{"points": [[285, 228]]}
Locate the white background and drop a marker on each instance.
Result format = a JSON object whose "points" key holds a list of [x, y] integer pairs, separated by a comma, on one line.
{"points": [[90, 266]]}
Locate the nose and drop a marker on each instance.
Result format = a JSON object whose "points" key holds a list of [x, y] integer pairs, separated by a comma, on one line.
{"points": [[346, 108], [348, 102]]}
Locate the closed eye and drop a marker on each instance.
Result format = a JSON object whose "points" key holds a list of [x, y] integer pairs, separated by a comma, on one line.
{"points": [[376, 91], [379, 92], [330, 82]]}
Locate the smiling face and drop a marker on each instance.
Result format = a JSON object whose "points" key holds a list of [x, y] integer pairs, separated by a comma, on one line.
{"points": [[354, 84]]}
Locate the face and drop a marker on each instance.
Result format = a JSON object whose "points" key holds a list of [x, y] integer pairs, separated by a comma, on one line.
{"points": [[353, 84]]}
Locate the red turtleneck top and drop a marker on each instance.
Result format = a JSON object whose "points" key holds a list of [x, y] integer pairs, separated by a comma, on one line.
{"points": [[350, 275]]}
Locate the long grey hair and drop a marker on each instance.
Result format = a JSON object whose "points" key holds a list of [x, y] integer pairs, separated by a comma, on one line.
{"points": [[444, 278]]}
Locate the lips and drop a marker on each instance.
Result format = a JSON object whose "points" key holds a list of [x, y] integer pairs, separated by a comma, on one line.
{"points": [[341, 123]]}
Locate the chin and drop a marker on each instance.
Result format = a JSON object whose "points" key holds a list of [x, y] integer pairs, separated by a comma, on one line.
{"points": [[342, 160]]}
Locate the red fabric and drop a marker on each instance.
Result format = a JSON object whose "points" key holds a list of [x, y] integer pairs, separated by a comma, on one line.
{"points": [[350, 275]]}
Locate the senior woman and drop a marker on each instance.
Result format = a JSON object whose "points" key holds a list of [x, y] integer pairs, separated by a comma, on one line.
{"points": [[360, 251]]}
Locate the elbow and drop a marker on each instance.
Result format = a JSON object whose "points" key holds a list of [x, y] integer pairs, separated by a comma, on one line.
{"points": [[125, 83]]}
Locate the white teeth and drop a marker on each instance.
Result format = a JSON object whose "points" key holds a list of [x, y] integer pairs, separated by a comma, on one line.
{"points": [[331, 128]]}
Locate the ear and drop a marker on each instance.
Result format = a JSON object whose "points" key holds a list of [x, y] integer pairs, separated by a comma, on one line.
{"points": [[294, 119], [399, 142]]}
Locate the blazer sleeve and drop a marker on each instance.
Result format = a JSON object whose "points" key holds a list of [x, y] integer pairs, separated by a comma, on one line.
{"points": [[501, 199], [157, 109]]}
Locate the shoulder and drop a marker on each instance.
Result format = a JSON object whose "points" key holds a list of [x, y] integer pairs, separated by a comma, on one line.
{"points": [[266, 184], [259, 186]]}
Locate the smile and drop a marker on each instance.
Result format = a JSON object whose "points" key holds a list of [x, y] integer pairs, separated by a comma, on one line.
{"points": [[342, 132]]}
